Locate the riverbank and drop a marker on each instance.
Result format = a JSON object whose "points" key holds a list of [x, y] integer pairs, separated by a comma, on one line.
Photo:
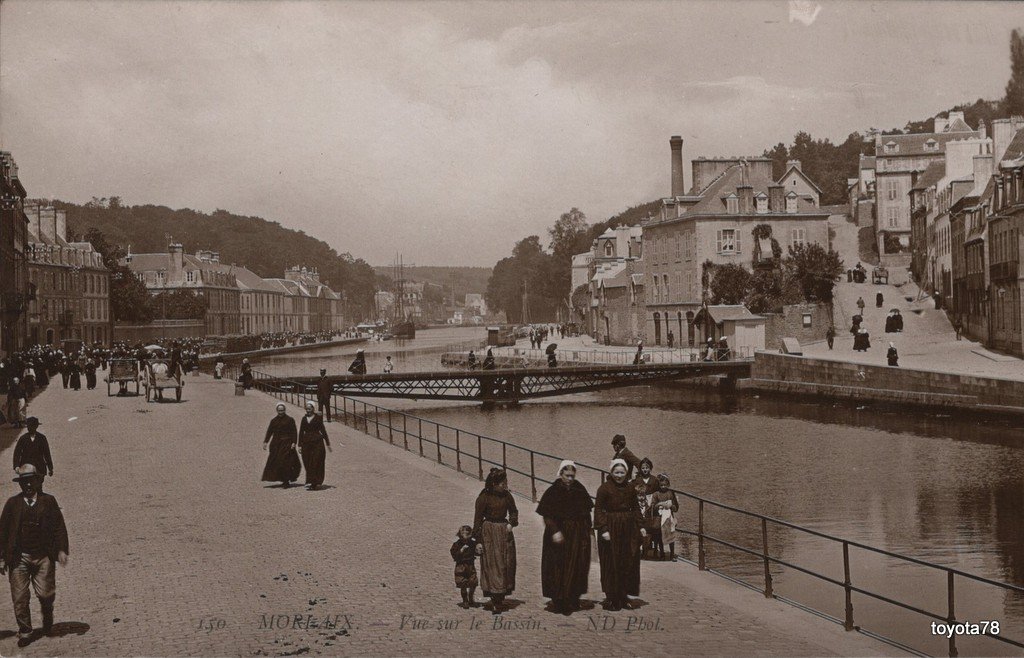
{"points": [[151, 574], [287, 349]]}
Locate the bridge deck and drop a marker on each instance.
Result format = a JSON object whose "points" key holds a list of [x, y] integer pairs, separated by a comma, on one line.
{"points": [[507, 384]]}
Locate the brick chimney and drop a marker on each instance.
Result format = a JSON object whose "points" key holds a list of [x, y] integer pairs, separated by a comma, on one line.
{"points": [[176, 274], [61, 224], [676, 142], [793, 163], [939, 124], [776, 198], [746, 195]]}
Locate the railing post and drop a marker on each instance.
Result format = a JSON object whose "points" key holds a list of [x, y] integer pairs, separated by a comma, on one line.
{"points": [[419, 435], [480, 456], [391, 431], [458, 451], [767, 564], [701, 564], [533, 481], [504, 460], [951, 618], [405, 431], [376, 419], [848, 622], [437, 435]]}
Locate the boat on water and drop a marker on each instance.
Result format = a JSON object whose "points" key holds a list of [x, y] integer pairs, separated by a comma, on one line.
{"points": [[402, 325], [406, 329]]}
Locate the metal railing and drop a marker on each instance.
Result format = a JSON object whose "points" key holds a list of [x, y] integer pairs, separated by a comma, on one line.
{"points": [[469, 452], [520, 357]]}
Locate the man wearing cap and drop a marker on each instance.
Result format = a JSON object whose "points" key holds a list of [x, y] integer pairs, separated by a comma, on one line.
{"points": [[625, 454], [32, 536], [33, 448], [324, 389]]}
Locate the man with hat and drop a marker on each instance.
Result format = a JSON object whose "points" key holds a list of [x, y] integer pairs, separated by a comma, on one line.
{"points": [[32, 536], [625, 454], [324, 390], [33, 448]]}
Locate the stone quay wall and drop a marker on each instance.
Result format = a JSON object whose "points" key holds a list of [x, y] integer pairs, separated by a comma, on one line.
{"points": [[841, 379]]}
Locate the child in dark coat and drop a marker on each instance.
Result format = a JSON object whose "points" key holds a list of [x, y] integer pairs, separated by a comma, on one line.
{"points": [[464, 552]]}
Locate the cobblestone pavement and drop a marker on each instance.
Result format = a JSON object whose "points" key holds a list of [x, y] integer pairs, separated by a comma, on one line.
{"points": [[177, 548]]}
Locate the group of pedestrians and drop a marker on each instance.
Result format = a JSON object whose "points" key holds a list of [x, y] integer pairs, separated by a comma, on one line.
{"points": [[288, 442], [27, 371], [622, 516], [33, 535]]}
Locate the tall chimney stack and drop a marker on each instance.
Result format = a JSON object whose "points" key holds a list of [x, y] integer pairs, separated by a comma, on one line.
{"points": [[677, 165]]}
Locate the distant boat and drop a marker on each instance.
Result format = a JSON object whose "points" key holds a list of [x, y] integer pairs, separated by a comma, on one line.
{"points": [[406, 329], [401, 326]]}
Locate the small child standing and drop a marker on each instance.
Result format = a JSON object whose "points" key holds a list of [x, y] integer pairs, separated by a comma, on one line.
{"points": [[388, 366], [464, 552]]}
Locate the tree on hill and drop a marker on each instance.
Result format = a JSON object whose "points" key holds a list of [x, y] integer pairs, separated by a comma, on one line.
{"points": [[265, 247], [1013, 101], [529, 268]]}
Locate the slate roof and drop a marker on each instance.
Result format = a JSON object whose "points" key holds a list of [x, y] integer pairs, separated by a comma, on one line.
{"points": [[935, 172], [713, 197], [914, 144], [1016, 148]]}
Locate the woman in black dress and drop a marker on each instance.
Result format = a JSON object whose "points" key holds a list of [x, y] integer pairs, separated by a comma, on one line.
{"points": [[312, 442], [76, 375], [565, 557], [282, 463], [495, 516], [620, 529]]}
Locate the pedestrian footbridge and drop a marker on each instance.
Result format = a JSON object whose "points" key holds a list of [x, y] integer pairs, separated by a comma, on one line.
{"points": [[505, 384]]}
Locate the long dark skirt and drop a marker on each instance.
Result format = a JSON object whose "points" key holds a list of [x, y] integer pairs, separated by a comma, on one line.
{"points": [[282, 462], [620, 556], [564, 567], [76, 381], [498, 563], [314, 455]]}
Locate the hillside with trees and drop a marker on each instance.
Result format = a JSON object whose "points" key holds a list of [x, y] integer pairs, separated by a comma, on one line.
{"points": [[263, 246]]}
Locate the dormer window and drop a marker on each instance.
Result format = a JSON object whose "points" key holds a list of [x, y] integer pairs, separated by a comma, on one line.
{"points": [[931, 145], [761, 203], [791, 202], [732, 204], [609, 250], [892, 147]]}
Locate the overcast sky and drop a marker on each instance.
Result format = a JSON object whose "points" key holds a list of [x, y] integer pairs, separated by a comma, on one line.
{"points": [[447, 131]]}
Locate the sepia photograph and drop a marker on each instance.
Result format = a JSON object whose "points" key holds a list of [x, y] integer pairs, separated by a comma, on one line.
{"points": [[512, 328]]}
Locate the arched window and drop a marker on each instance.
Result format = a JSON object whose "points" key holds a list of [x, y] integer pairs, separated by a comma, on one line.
{"points": [[657, 328], [609, 250]]}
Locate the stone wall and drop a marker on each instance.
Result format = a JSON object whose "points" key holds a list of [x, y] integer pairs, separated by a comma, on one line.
{"points": [[843, 379], [790, 323]]}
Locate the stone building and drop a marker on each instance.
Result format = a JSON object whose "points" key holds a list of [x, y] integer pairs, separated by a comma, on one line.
{"points": [[14, 285], [203, 273], [615, 275], [1006, 253], [897, 159], [714, 222], [71, 285], [261, 303]]}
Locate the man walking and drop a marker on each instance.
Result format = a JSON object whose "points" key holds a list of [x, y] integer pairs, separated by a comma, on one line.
{"points": [[324, 389], [33, 448], [32, 536], [625, 454]]}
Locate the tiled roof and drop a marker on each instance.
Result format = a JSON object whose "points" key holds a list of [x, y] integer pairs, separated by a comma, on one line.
{"points": [[149, 262], [725, 312], [249, 280], [933, 174], [1016, 148], [914, 144], [958, 126], [713, 197]]}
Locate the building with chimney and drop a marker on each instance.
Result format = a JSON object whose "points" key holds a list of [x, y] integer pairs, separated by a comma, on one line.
{"points": [[898, 160], [14, 286], [714, 223], [614, 274], [1006, 244], [203, 274], [70, 284]]}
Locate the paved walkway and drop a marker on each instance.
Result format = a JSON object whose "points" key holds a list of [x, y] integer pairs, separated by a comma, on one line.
{"points": [[177, 548]]}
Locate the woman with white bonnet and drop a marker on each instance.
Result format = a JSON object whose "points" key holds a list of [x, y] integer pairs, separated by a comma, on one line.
{"points": [[282, 462], [620, 527], [565, 557]]}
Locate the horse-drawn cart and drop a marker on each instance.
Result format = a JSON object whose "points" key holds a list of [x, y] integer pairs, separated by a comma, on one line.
{"points": [[160, 376], [123, 372]]}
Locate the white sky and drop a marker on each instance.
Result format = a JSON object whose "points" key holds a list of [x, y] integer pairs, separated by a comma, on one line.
{"points": [[447, 131]]}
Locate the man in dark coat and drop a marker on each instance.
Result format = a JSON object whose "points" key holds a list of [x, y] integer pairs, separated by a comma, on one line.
{"points": [[33, 536], [624, 453], [324, 390], [33, 448]]}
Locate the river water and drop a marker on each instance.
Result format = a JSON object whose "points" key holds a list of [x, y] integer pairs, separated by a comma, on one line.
{"points": [[940, 488]]}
